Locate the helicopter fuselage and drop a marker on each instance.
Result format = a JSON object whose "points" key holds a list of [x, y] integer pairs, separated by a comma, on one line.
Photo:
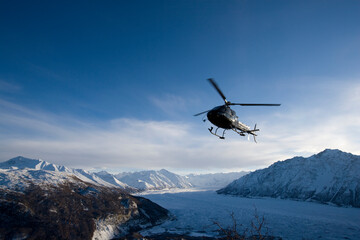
{"points": [[224, 117]]}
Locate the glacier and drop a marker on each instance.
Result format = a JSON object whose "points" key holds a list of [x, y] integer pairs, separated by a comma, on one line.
{"points": [[196, 212]]}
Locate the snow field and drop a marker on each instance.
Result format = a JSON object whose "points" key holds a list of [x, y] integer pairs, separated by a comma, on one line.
{"points": [[195, 213]]}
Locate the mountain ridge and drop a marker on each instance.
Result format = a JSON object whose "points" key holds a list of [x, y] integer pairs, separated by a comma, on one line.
{"points": [[331, 176], [21, 162], [24, 168], [21, 167]]}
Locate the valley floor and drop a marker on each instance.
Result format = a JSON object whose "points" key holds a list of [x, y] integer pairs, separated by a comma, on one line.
{"points": [[196, 212]]}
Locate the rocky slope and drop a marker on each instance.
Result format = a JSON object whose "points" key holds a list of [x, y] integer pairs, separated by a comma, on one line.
{"points": [[332, 176], [72, 209]]}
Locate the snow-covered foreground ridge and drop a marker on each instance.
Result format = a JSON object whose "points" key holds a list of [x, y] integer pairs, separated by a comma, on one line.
{"points": [[73, 209], [331, 176]]}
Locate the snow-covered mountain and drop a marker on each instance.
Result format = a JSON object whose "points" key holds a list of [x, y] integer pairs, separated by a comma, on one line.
{"points": [[110, 178], [40, 200], [153, 180], [20, 171], [163, 179], [213, 180], [36, 164], [331, 176]]}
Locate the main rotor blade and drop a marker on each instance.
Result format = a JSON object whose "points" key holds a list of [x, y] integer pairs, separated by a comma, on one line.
{"points": [[217, 89], [255, 104], [201, 113]]}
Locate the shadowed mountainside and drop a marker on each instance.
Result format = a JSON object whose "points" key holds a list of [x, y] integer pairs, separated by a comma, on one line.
{"points": [[74, 210], [331, 176]]}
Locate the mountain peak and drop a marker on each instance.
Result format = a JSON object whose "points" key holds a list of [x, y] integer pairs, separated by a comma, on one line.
{"points": [[18, 158], [163, 171], [21, 162], [332, 153], [22, 159]]}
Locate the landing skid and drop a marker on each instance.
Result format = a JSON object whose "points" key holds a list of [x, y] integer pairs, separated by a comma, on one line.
{"points": [[238, 131], [215, 134]]}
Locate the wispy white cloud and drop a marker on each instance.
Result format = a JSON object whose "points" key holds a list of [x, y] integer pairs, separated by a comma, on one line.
{"points": [[331, 120], [46, 72], [6, 86], [171, 104], [133, 143], [128, 143]]}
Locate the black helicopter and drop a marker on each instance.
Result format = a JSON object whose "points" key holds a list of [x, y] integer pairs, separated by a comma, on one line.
{"points": [[224, 117]]}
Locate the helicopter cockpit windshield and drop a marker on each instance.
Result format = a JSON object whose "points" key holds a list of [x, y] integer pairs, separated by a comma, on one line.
{"points": [[231, 114]]}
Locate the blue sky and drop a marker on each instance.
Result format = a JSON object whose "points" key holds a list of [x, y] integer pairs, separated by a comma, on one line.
{"points": [[114, 84]]}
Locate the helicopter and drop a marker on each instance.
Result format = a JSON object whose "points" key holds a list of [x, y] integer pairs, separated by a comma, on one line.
{"points": [[224, 117]]}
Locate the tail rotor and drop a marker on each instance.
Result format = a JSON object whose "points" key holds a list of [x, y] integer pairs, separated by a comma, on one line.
{"points": [[252, 132]]}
